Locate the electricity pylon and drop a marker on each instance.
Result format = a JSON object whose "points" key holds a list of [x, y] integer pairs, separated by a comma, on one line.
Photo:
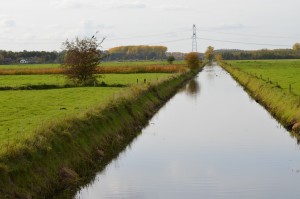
{"points": [[194, 43]]}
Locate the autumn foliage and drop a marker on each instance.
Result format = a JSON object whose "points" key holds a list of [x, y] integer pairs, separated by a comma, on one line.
{"points": [[192, 60]]}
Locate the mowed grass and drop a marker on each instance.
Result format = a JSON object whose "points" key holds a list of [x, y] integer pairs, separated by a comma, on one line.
{"points": [[22, 112], [281, 72], [60, 80]]}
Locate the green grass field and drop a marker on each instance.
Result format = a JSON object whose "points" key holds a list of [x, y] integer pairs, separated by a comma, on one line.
{"points": [[281, 72], [23, 111], [110, 79]]}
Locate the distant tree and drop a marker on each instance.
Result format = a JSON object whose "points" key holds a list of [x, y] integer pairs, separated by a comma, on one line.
{"points": [[192, 60], [233, 54], [296, 46], [209, 54], [81, 59], [171, 59], [1, 59], [138, 52], [219, 57]]}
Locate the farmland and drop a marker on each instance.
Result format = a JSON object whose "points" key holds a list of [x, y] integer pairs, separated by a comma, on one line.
{"points": [[107, 67], [280, 72], [23, 111], [55, 129], [103, 64], [60, 80]]}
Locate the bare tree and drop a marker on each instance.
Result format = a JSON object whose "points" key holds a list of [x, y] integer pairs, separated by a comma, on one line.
{"points": [[81, 59]]}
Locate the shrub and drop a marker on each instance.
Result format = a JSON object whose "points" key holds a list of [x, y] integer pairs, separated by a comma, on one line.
{"points": [[192, 60], [81, 59]]}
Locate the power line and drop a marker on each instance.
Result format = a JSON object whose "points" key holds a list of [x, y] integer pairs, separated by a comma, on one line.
{"points": [[170, 41], [250, 34], [150, 35], [247, 43], [194, 42]]}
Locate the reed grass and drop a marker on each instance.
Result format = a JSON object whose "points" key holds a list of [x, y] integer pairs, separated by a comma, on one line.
{"points": [[100, 70]]}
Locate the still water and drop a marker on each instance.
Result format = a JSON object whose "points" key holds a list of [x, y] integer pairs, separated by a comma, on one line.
{"points": [[209, 141]]}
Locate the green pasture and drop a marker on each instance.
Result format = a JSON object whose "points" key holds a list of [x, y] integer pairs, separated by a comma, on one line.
{"points": [[60, 80], [281, 72], [23, 111]]}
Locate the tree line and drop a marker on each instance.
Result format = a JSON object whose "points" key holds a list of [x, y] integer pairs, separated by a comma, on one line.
{"points": [[34, 57], [259, 54], [149, 53], [137, 53]]}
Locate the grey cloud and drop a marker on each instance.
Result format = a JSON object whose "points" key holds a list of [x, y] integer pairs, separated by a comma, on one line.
{"points": [[7, 23], [130, 5], [228, 27], [174, 8], [71, 4]]}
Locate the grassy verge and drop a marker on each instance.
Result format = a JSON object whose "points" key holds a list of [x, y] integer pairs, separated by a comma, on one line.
{"points": [[282, 104], [64, 154], [284, 73]]}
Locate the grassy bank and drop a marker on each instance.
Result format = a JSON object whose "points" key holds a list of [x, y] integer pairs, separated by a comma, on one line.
{"points": [[64, 154], [280, 102], [284, 73]]}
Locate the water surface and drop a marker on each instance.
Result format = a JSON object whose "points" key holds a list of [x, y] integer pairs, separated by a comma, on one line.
{"points": [[209, 141]]}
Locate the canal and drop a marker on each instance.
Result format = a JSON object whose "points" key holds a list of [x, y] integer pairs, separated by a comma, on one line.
{"points": [[211, 140]]}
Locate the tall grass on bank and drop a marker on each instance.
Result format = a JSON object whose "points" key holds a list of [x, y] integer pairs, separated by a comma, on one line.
{"points": [[103, 64], [100, 70], [282, 104], [63, 154]]}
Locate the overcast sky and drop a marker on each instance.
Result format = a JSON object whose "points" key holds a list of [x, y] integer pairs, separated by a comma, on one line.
{"points": [[45, 24]]}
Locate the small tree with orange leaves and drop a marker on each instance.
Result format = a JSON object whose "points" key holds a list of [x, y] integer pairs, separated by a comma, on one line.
{"points": [[192, 60]]}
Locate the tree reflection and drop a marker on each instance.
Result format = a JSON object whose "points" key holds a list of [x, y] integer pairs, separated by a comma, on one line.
{"points": [[193, 88]]}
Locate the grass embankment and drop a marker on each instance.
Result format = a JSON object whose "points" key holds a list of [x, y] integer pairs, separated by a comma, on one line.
{"points": [[284, 73], [64, 154], [265, 84]]}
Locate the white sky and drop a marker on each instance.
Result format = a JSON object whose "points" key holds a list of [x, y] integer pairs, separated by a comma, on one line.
{"points": [[45, 24]]}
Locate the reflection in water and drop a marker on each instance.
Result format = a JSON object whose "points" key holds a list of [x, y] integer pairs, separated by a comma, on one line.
{"points": [[193, 88], [219, 146]]}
